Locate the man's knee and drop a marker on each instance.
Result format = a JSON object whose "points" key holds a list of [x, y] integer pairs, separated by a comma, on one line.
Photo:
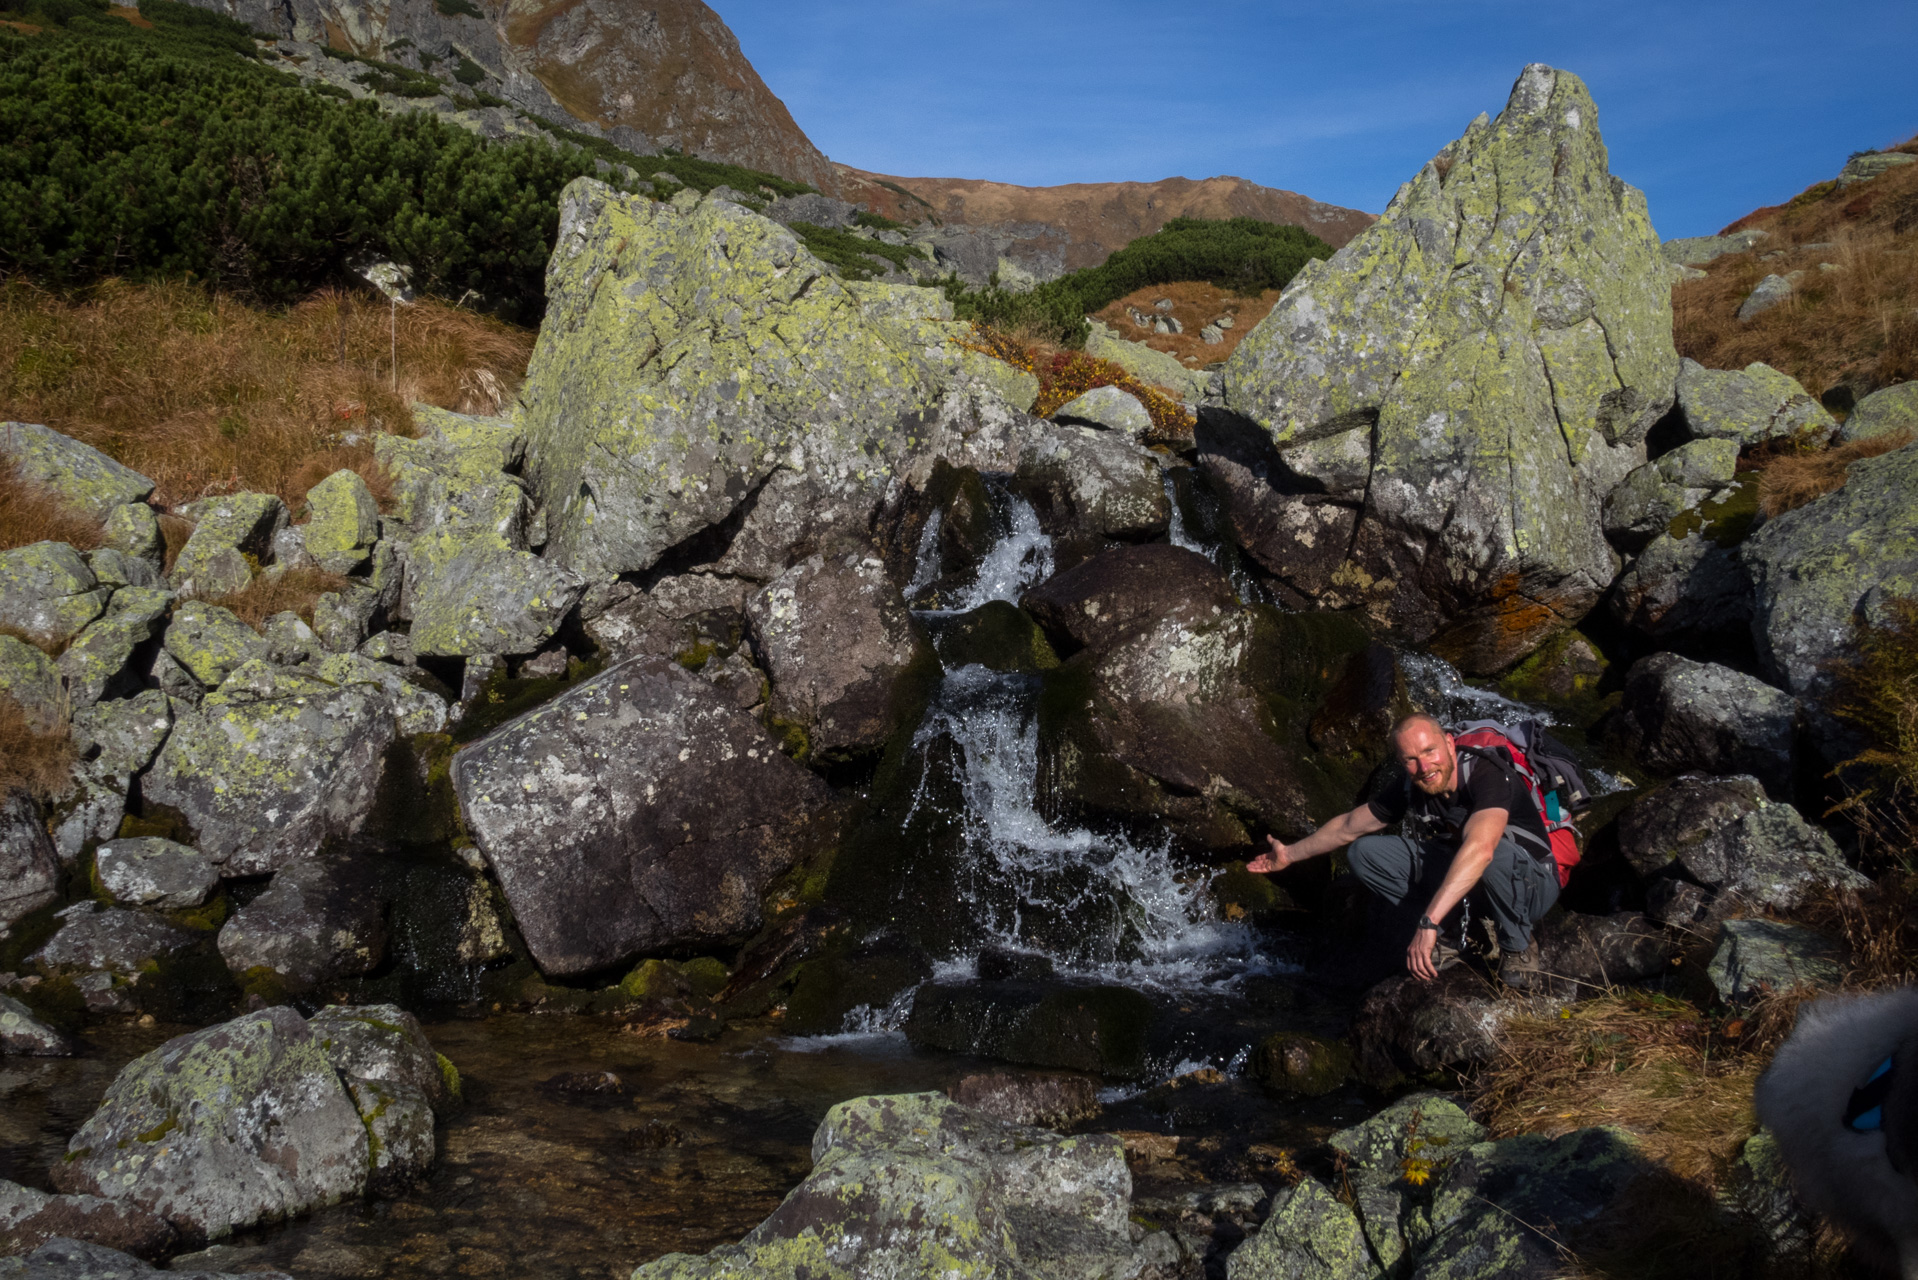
{"points": [[1384, 863]]}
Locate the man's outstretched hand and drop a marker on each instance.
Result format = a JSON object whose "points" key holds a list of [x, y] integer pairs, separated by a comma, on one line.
{"points": [[1277, 858]]}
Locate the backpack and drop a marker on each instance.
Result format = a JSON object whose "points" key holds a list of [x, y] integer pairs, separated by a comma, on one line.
{"points": [[1558, 787]]}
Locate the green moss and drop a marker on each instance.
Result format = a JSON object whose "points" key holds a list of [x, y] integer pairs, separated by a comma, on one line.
{"points": [[206, 918], [449, 1077], [1726, 519], [268, 984], [163, 821], [160, 1130], [695, 657], [706, 975]]}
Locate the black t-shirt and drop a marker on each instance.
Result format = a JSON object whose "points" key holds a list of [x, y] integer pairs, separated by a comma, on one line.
{"points": [[1488, 781]]}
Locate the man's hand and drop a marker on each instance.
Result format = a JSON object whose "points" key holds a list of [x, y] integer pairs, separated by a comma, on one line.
{"points": [[1418, 956], [1277, 858]]}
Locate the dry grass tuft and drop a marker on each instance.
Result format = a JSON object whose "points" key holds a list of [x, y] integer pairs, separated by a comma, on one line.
{"points": [[208, 395], [1789, 481], [29, 514], [1194, 305], [31, 761], [294, 590], [1064, 375]]}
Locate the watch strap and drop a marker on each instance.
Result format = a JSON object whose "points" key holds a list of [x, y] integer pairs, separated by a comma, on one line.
{"points": [[1425, 922]]}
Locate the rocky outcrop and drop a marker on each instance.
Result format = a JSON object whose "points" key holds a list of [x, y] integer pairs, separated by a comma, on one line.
{"points": [[1747, 406], [1464, 384], [640, 811], [47, 592], [1681, 716], [150, 872], [319, 920], [1101, 601], [80, 475], [914, 1184]]}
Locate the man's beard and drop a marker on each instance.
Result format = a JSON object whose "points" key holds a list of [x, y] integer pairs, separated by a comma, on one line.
{"points": [[1438, 782]]}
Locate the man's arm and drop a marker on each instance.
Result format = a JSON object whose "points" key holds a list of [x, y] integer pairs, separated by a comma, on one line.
{"points": [[1336, 834], [1482, 833]]}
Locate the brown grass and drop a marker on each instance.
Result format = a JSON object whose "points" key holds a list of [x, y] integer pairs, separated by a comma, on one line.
{"points": [[31, 761], [295, 590], [207, 395], [1789, 481], [1194, 305], [1064, 375], [29, 514]]}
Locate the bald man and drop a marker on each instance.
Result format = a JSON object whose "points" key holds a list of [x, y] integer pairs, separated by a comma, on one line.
{"points": [[1459, 809]]}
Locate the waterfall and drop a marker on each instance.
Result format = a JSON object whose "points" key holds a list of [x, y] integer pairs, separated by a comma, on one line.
{"points": [[1020, 559]]}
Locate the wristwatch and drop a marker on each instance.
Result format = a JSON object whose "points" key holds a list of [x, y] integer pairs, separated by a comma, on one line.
{"points": [[1425, 922]]}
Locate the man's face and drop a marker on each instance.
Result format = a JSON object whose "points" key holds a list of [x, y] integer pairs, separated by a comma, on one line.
{"points": [[1429, 758]]}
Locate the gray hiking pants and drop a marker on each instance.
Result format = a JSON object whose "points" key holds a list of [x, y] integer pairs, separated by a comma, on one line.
{"points": [[1516, 890]]}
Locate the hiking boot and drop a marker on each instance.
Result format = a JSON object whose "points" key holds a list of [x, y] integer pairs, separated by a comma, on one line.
{"points": [[1522, 970]]}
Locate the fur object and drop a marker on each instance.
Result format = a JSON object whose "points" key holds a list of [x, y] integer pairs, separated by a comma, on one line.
{"points": [[1865, 1183]]}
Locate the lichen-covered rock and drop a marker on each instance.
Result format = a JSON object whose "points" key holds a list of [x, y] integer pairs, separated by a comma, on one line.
{"points": [[1116, 593], [1494, 350], [116, 569], [112, 939], [691, 349], [96, 663], [416, 709], [675, 615], [342, 619], [134, 531], [272, 764], [24, 1035], [1107, 408], [1756, 957], [1882, 412], [87, 809], [226, 531], [83, 477], [47, 591], [922, 318], [840, 646], [1146, 363], [29, 1219], [320, 919], [242, 1123], [1307, 1235], [1681, 716], [1697, 250], [1644, 505], [1091, 486], [491, 600], [1724, 834], [29, 677], [1423, 1128], [1773, 291], [289, 640], [125, 734], [1746, 406], [916, 1185], [211, 642], [453, 492], [385, 1043], [1655, 830], [147, 871], [29, 871], [342, 522], [639, 811]]}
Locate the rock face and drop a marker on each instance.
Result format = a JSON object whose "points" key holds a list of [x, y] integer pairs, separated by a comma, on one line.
{"points": [[914, 1185], [639, 811], [241, 1123], [1466, 381], [151, 872], [1114, 594], [29, 870], [319, 920], [1682, 716]]}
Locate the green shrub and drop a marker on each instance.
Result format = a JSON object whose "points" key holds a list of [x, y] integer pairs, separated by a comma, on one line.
{"points": [[854, 257], [469, 72], [54, 12], [458, 9]]}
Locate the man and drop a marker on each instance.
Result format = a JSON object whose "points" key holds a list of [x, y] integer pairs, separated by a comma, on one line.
{"points": [[1459, 810]]}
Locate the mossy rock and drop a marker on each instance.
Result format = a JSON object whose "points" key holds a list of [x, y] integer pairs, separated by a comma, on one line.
{"points": [[1247, 895], [1726, 518], [1297, 1063], [999, 635]]}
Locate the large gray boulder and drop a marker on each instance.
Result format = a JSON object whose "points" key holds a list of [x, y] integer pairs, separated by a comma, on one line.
{"points": [[123, 736], [320, 919], [29, 869], [29, 677], [916, 1185], [112, 939], [272, 765], [1760, 957], [1091, 487], [1107, 408], [226, 531], [211, 642], [397, 1081], [1102, 600], [1747, 406], [147, 871], [242, 1123], [490, 601], [1647, 501], [83, 477], [839, 644], [1680, 716], [1883, 412], [639, 811], [47, 591], [97, 663], [1464, 382], [1688, 588], [1308, 1234]]}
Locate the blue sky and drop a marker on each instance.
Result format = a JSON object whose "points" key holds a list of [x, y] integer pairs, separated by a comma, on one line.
{"points": [[1712, 108]]}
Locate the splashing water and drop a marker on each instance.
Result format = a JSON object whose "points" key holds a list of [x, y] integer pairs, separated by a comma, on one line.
{"points": [[1020, 559], [1436, 685], [1175, 532], [925, 557]]}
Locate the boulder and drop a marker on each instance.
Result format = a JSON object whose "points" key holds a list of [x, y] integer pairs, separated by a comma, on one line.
{"points": [[416, 707], [1126, 590], [29, 1219], [1090, 487], [1308, 1234], [922, 320], [134, 531], [272, 765], [1297, 1063], [119, 941], [1817, 570], [97, 664], [839, 644], [1098, 1029], [242, 1123], [1723, 834], [210, 642], [146, 871], [1461, 474], [29, 677], [1747, 406], [998, 635], [1419, 1132], [24, 1035], [1407, 1027], [1598, 952], [639, 811], [675, 615], [1647, 502], [488, 600], [1048, 1101], [124, 735], [694, 348], [342, 522], [1867, 165], [79, 474], [1146, 363], [226, 531], [1882, 412], [29, 868], [1773, 291], [114, 569], [1759, 957], [1694, 251], [47, 592], [914, 1184], [87, 809], [1107, 408], [397, 1081], [64, 1259], [289, 640], [1681, 716], [320, 919], [1684, 589]]}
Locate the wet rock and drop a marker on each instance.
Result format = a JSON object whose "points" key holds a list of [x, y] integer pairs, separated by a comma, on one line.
{"points": [[1473, 463], [914, 1184], [65, 1259], [211, 642], [124, 735], [487, 600], [273, 764], [1123, 591], [29, 677], [1107, 408], [47, 591], [1686, 588], [1883, 412], [705, 813], [241, 1123], [1723, 834], [1045, 1101], [1747, 406], [1091, 486], [24, 1035], [1407, 1027], [29, 870], [147, 871], [111, 939], [1308, 1234], [225, 532], [96, 664], [839, 644], [342, 522], [795, 373], [30, 1219], [1597, 952], [1100, 1029], [1760, 957], [997, 635], [78, 474], [319, 920], [1682, 716], [1298, 1063]]}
